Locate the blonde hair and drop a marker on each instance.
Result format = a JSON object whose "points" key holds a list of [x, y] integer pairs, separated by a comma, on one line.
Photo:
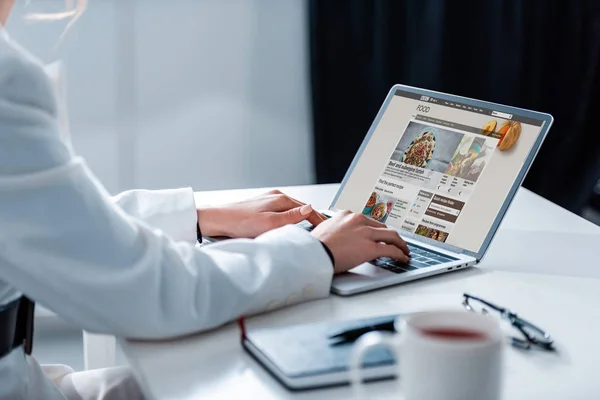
{"points": [[74, 9]]}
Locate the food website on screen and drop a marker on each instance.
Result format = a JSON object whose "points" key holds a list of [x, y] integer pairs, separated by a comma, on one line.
{"points": [[438, 168]]}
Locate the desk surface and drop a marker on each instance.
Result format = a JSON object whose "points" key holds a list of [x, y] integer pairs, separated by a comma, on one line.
{"points": [[539, 265]]}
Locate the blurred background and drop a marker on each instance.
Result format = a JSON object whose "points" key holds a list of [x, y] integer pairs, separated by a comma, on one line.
{"points": [[212, 94], [220, 94]]}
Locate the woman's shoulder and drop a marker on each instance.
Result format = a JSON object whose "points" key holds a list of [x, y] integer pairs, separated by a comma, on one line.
{"points": [[22, 77]]}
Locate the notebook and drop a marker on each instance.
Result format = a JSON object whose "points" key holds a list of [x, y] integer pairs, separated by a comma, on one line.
{"points": [[302, 357]]}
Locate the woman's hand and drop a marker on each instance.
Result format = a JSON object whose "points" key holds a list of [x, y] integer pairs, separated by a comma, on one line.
{"points": [[253, 217], [354, 239]]}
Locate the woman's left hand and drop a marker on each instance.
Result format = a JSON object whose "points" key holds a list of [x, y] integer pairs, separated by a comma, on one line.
{"points": [[253, 217]]}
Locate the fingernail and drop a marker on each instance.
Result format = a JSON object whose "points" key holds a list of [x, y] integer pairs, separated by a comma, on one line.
{"points": [[306, 210]]}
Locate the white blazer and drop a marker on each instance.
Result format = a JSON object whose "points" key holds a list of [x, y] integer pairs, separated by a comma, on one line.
{"points": [[127, 266]]}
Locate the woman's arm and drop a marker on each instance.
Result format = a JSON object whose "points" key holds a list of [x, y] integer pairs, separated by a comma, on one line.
{"points": [[65, 243], [172, 211]]}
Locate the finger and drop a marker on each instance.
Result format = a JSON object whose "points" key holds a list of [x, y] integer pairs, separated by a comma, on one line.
{"points": [[285, 203], [390, 237], [316, 218], [389, 250], [292, 216], [274, 191]]}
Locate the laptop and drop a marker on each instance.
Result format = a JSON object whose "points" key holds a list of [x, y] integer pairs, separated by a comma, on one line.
{"points": [[441, 170]]}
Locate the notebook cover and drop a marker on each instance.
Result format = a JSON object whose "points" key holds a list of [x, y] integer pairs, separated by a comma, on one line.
{"points": [[306, 350]]}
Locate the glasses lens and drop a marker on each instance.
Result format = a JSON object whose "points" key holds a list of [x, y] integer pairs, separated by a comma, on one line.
{"points": [[478, 307]]}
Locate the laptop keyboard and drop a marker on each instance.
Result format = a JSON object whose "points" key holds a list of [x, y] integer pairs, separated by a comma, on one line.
{"points": [[419, 257]]}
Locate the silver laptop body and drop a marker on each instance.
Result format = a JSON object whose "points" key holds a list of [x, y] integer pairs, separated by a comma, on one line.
{"points": [[442, 170]]}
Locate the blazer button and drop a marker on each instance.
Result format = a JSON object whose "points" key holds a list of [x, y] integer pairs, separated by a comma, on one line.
{"points": [[292, 299], [308, 291], [272, 305]]}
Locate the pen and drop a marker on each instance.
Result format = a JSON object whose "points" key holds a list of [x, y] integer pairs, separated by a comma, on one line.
{"points": [[353, 334]]}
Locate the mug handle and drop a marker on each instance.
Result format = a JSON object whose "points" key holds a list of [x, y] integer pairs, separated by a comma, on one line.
{"points": [[363, 345]]}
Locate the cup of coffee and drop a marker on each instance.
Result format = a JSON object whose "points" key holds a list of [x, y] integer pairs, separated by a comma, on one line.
{"points": [[449, 355]]}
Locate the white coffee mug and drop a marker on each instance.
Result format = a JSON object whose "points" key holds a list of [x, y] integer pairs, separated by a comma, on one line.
{"points": [[441, 355]]}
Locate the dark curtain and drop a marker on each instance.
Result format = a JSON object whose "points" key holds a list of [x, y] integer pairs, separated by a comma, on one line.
{"points": [[538, 54]]}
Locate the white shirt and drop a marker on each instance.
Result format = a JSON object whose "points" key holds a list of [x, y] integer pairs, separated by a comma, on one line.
{"points": [[127, 266]]}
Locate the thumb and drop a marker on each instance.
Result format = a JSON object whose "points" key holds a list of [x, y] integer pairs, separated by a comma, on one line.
{"points": [[294, 215]]}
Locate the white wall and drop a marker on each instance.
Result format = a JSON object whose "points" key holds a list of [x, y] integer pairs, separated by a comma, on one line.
{"points": [[204, 93]]}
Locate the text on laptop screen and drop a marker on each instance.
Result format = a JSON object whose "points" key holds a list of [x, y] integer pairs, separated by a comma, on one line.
{"points": [[439, 169]]}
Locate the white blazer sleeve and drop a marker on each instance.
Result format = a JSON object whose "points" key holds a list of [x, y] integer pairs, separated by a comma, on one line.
{"points": [[173, 211], [66, 244]]}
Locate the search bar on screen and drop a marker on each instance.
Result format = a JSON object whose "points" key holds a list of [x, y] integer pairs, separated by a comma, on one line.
{"points": [[501, 115]]}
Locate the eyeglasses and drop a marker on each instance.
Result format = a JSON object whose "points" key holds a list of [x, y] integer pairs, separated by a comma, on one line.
{"points": [[533, 336]]}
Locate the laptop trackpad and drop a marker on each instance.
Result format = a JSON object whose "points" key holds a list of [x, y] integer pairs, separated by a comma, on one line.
{"points": [[363, 272]]}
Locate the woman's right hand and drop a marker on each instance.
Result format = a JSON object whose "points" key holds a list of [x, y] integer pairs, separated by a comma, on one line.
{"points": [[354, 239]]}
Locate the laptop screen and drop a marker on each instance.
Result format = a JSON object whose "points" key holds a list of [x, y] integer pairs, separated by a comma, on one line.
{"points": [[439, 168]]}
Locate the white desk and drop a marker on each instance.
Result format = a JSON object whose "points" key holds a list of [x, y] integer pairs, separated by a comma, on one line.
{"points": [[564, 300]]}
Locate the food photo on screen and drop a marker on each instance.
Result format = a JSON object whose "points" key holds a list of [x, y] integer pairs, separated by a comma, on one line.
{"points": [[427, 147], [431, 233], [471, 157], [379, 206], [508, 133]]}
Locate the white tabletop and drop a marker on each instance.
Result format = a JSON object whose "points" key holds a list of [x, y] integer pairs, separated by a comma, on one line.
{"points": [[542, 264]]}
